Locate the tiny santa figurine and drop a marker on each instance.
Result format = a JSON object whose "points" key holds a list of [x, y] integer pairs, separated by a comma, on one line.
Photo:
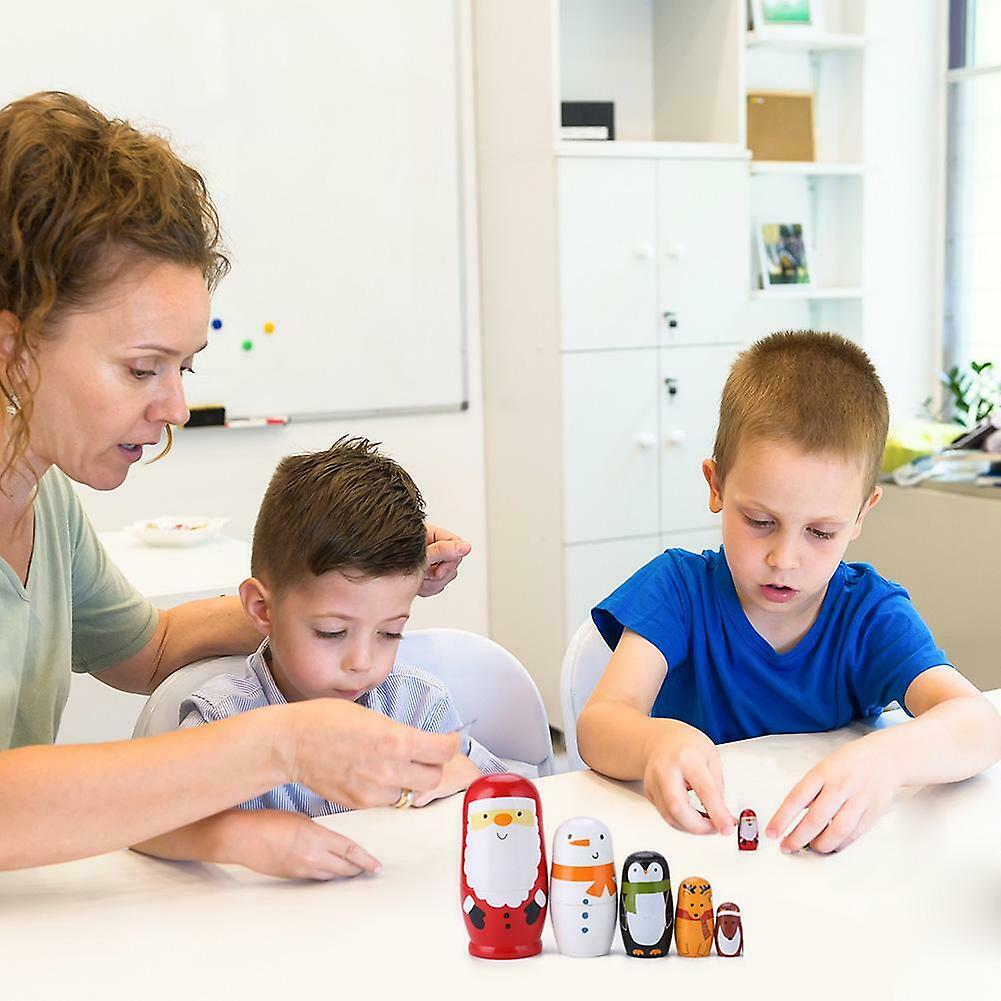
{"points": [[504, 877], [747, 831]]}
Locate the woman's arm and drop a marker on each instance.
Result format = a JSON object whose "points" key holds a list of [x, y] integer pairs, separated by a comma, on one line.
{"points": [[65, 802], [212, 627]]}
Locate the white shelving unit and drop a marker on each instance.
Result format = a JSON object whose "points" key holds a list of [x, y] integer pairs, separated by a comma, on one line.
{"points": [[619, 278], [799, 41]]}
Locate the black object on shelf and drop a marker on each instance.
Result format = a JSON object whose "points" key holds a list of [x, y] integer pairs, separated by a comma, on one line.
{"points": [[587, 120]]}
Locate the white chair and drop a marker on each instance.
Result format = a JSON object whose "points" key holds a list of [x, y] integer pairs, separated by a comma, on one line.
{"points": [[488, 684], [160, 714], [583, 665]]}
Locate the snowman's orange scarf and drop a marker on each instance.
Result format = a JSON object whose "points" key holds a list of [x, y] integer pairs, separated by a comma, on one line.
{"points": [[602, 876]]}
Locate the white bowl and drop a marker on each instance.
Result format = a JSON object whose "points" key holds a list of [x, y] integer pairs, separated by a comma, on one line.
{"points": [[177, 531]]}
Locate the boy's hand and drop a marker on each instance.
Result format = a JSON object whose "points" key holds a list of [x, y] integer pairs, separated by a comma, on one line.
{"points": [[843, 797], [685, 758], [458, 774], [292, 845]]}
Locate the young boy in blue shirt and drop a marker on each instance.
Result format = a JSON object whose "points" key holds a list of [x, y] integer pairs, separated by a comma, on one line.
{"points": [[774, 633]]}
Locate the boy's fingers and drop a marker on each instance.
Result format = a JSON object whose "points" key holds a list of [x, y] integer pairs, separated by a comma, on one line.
{"points": [[802, 795], [837, 832], [710, 791], [819, 814], [670, 796]]}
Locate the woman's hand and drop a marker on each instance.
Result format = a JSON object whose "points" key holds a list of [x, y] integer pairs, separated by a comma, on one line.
{"points": [[445, 552], [843, 796], [685, 758], [291, 845], [353, 756]]}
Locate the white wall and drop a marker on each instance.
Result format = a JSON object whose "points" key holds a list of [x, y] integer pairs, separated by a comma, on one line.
{"points": [[905, 66]]}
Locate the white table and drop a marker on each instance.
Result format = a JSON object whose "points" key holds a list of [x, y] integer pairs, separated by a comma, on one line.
{"points": [[912, 910], [167, 577]]}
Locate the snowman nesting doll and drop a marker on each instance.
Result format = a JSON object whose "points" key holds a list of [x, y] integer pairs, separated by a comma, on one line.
{"points": [[582, 893], [646, 906]]}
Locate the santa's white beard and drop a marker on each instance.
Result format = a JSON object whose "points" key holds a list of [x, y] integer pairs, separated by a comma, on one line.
{"points": [[502, 872]]}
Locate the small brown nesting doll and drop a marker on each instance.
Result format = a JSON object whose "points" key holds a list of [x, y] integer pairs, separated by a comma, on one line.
{"points": [[729, 931]]}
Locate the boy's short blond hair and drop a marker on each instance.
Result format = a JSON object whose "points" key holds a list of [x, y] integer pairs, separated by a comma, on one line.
{"points": [[818, 391]]}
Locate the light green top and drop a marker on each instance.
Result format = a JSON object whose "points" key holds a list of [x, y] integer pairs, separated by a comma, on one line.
{"points": [[77, 609]]}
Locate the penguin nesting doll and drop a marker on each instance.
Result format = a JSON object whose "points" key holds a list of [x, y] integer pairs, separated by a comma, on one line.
{"points": [[582, 892], [646, 905], [693, 924], [729, 933]]}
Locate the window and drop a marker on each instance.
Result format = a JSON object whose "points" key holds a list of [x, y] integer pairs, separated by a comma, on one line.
{"points": [[973, 199]]}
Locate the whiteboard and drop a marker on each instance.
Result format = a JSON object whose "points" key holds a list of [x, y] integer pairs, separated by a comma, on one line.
{"points": [[330, 135]]}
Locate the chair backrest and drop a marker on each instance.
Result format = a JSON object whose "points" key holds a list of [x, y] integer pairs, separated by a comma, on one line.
{"points": [[160, 714], [488, 684], [584, 663]]}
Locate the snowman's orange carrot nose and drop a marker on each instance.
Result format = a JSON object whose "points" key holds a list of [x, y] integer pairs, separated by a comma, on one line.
{"points": [[584, 842]]}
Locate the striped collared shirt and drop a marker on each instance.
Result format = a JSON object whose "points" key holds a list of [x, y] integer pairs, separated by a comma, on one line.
{"points": [[408, 695]]}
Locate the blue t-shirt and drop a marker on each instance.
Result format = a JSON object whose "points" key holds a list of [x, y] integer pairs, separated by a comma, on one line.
{"points": [[866, 646]]}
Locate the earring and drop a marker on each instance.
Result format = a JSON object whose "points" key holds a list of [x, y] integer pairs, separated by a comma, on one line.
{"points": [[12, 409]]}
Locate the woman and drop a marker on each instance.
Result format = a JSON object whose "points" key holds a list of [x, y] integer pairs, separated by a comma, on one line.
{"points": [[109, 247]]}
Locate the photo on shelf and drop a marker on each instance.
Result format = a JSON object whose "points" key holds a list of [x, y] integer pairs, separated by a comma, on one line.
{"points": [[783, 14], [783, 255]]}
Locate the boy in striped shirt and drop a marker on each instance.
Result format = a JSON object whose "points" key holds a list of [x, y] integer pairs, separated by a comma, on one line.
{"points": [[338, 557]]}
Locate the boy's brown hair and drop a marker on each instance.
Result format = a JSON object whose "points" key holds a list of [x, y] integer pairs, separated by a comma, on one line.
{"points": [[347, 508], [817, 391]]}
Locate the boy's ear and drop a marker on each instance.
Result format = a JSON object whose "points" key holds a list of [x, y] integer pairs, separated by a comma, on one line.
{"points": [[256, 604], [715, 487], [874, 498]]}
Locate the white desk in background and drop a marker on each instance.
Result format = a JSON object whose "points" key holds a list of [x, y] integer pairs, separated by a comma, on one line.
{"points": [[167, 577], [911, 910]]}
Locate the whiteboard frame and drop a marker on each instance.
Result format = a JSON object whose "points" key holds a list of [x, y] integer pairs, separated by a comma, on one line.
{"points": [[469, 237]]}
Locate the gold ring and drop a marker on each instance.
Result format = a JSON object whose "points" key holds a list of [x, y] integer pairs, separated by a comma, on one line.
{"points": [[406, 799]]}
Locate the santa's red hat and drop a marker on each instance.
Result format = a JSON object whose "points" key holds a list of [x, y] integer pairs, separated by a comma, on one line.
{"points": [[502, 791]]}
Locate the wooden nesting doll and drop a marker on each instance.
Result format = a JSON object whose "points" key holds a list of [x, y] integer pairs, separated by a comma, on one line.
{"points": [[729, 931], [747, 831], [646, 906], [693, 923], [582, 892], [504, 876]]}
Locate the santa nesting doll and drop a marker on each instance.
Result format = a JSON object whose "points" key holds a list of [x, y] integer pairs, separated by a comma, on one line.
{"points": [[504, 877], [747, 831]]}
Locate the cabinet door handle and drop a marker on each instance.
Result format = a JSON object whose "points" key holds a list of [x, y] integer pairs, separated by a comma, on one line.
{"points": [[671, 318], [675, 250], [645, 439], [672, 386], [646, 251], [676, 436]]}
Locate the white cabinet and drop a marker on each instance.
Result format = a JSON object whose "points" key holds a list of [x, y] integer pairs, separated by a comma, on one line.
{"points": [[608, 253], [592, 463], [637, 421], [702, 211], [611, 442], [691, 381], [595, 569]]}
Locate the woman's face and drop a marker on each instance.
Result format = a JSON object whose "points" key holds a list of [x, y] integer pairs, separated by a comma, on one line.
{"points": [[110, 374]]}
